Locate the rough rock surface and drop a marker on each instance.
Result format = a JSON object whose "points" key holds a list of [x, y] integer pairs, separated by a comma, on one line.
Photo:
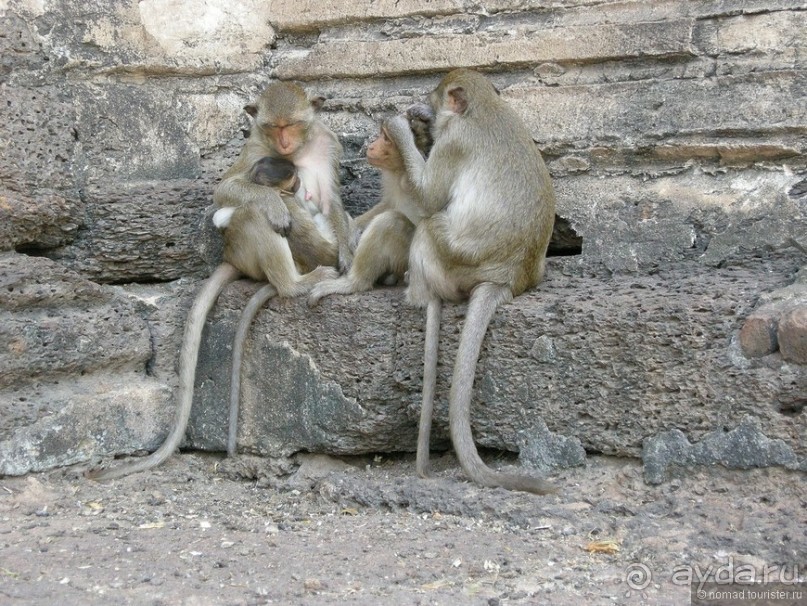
{"points": [[633, 356], [365, 531], [675, 135]]}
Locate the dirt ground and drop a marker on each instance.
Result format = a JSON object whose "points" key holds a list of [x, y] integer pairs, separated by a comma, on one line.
{"points": [[205, 530]]}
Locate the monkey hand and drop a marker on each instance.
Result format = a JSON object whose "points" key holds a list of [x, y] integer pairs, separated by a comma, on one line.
{"points": [[420, 112], [277, 215]]}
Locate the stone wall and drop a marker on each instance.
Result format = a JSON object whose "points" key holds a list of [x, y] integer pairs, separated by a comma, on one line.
{"points": [[675, 134]]}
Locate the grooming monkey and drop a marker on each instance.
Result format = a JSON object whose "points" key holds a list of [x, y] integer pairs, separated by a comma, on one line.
{"points": [[489, 210], [388, 227], [262, 230]]}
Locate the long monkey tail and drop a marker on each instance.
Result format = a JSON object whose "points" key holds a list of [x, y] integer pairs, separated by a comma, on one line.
{"points": [[192, 339], [484, 300], [257, 301], [429, 383]]}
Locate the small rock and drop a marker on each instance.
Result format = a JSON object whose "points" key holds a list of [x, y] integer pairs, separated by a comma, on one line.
{"points": [[313, 585], [758, 336], [792, 334], [549, 70], [543, 349]]}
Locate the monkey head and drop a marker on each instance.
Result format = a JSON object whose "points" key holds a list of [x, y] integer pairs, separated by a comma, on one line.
{"points": [[282, 117], [382, 152], [275, 172], [459, 92]]}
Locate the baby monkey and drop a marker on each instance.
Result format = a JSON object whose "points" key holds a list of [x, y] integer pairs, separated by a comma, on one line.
{"points": [[250, 247], [276, 172], [280, 174], [387, 229]]}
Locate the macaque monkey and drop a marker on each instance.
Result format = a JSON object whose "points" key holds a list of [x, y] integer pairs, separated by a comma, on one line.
{"points": [[262, 231], [285, 125], [489, 209], [388, 227]]}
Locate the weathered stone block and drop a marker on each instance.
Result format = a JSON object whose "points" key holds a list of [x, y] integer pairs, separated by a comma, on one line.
{"points": [[158, 37], [37, 139], [162, 148], [74, 378], [663, 110], [524, 45], [142, 231], [55, 323], [687, 215], [763, 33], [743, 447], [762, 331], [630, 356], [545, 451], [40, 222], [79, 417]]}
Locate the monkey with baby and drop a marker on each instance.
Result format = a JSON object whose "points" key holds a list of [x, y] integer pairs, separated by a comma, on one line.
{"points": [[473, 220]]}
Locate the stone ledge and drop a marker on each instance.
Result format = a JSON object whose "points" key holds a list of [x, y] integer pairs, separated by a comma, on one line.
{"points": [[665, 109], [606, 360], [357, 59], [78, 418], [610, 361]]}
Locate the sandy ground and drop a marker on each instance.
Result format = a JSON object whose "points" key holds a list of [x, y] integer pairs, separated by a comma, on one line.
{"points": [[205, 530]]}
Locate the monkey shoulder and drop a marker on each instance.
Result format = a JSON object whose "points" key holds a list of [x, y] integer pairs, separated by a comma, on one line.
{"points": [[325, 141]]}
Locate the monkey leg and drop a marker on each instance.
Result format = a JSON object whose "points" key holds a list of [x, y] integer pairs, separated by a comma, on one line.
{"points": [[429, 382], [224, 274], [278, 266], [257, 301], [428, 276], [308, 246], [485, 298], [383, 249]]}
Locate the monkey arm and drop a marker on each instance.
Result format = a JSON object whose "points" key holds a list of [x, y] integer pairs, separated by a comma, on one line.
{"points": [[400, 133], [430, 191], [238, 191]]}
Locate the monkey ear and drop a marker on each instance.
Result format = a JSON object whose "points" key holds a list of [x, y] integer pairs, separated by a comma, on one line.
{"points": [[251, 109], [317, 102], [457, 100]]}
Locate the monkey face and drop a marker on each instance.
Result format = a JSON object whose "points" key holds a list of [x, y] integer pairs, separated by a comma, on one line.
{"points": [[286, 136], [382, 153]]}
